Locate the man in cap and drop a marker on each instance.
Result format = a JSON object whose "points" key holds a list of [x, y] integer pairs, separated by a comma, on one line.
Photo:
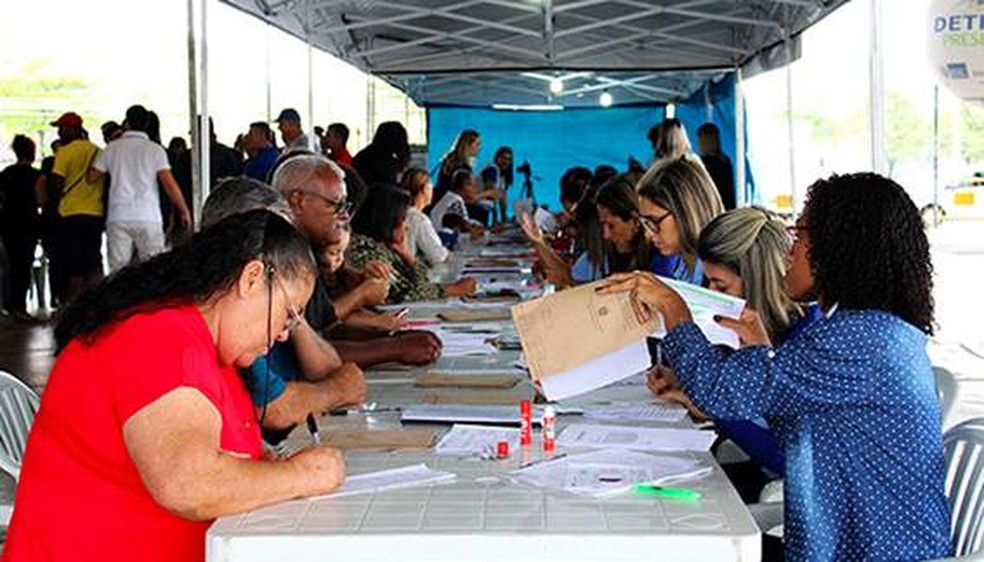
{"points": [[136, 164], [81, 208], [289, 124]]}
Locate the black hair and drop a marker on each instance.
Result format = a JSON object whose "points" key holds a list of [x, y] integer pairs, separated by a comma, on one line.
{"points": [[154, 127], [603, 173], [709, 129], [459, 179], [207, 265], [573, 183], [355, 187], [619, 197], [339, 130], [410, 182], [868, 247], [136, 118], [391, 139], [507, 175], [23, 147], [385, 207]]}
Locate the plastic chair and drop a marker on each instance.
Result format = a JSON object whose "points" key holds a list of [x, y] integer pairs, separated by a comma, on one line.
{"points": [[18, 404], [963, 448], [946, 391]]}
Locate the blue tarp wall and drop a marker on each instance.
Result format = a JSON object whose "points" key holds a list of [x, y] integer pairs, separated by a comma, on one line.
{"points": [[551, 141], [715, 102]]}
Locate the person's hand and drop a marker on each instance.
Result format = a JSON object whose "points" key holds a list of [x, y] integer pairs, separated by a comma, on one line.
{"points": [[319, 470], [377, 270], [477, 230], [417, 347], [373, 291], [348, 386], [185, 215], [649, 296], [749, 327], [680, 397], [393, 320], [661, 379], [530, 229], [461, 288]]}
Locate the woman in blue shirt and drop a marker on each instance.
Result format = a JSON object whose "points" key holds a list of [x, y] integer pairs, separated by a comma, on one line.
{"points": [[852, 398], [676, 199]]}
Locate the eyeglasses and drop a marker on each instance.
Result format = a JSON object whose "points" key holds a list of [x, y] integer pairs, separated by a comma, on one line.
{"points": [[292, 311], [340, 206], [652, 224]]}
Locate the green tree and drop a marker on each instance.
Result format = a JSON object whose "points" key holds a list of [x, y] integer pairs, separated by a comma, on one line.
{"points": [[908, 134], [32, 96]]}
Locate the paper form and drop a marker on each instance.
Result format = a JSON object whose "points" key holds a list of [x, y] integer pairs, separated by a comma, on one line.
{"points": [[578, 340], [392, 479], [704, 304], [476, 439], [638, 438], [609, 471]]}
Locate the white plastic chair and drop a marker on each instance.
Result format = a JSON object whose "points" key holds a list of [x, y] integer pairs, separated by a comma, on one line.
{"points": [[18, 404], [963, 447], [946, 391]]}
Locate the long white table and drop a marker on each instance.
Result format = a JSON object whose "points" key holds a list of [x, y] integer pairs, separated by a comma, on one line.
{"points": [[483, 515]]}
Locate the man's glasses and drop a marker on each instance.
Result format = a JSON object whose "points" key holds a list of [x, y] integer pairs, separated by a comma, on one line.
{"points": [[652, 223], [294, 314], [340, 206]]}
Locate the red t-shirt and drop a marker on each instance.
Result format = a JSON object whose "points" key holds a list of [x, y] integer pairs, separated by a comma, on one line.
{"points": [[80, 496], [342, 156]]}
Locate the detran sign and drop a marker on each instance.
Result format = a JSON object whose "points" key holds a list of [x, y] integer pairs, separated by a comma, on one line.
{"points": [[956, 45]]}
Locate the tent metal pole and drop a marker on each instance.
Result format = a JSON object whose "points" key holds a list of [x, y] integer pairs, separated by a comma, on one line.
{"points": [[205, 135], [196, 187], [310, 73], [879, 158], [744, 197], [793, 192], [269, 93], [936, 154]]}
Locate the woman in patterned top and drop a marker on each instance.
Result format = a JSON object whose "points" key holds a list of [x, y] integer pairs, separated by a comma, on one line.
{"points": [[380, 234], [852, 398]]}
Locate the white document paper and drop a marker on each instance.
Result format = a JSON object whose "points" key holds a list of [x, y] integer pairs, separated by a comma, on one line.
{"points": [[638, 438], [597, 373], [608, 472], [392, 479], [451, 413], [704, 305], [656, 411], [476, 439]]}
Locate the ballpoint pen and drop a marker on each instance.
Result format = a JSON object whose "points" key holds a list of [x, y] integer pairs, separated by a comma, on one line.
{"points": [[312, 425], [673, 493]]}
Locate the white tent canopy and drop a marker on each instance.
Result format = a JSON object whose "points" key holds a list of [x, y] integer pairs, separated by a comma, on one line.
{"points": [[484, 52]]}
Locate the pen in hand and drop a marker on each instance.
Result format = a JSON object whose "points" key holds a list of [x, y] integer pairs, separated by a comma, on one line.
{"points": [[312, 425]]}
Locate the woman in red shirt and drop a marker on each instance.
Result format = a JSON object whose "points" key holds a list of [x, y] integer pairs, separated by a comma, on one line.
{"points": [[146, 432]]}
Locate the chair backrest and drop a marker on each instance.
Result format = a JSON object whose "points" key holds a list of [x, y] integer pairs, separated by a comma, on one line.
{"points": [[18, 404], [946, 391], [963, 447]]}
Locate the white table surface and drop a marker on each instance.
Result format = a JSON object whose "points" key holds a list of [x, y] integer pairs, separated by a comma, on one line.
{"points": [[483, 515]]}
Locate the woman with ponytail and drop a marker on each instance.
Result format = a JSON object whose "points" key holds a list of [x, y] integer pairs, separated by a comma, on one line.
{"points": [[146, 433]]}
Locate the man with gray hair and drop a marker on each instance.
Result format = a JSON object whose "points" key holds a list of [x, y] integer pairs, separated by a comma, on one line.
{"points": [[315, 190], [304, 374]]}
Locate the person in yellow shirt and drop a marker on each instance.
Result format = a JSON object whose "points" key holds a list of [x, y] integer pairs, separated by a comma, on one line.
{"points": [[81, 208]]}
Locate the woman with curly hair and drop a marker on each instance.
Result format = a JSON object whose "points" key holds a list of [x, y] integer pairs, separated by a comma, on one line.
{"points": [[852, 398]]}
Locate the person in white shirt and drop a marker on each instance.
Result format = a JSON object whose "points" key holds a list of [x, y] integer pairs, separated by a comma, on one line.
{"points": [[422, 239], [451, 212], [133, 216], [295, 139]]}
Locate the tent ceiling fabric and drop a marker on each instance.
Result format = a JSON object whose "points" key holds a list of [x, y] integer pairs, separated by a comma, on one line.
{"points": [[484, 52]]}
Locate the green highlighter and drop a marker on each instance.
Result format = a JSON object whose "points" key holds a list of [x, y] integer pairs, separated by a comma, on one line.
{"points": [[672, 493]]}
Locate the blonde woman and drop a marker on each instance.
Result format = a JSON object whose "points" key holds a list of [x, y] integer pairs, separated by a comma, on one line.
{"points": [[676, 200], [461, 157], [670, 140], [422, 239]]}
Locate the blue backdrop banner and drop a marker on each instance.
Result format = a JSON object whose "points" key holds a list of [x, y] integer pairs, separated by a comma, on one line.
{"points": [[551, 141]]}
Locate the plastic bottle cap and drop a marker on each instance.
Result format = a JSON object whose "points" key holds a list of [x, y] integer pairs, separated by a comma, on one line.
{"points": [[503, 449]]}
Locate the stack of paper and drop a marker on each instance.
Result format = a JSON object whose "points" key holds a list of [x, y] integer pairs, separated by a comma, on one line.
{"points": [[704, 305], [638, 438], [607, 472], [392, 479], [658, 411], [476, 439]]}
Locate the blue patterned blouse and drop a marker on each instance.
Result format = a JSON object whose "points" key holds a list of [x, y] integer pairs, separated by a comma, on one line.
{"points": [[853, 402]]}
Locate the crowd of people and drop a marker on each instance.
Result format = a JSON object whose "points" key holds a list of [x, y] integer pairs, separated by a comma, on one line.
{"points": [[174, 369]]}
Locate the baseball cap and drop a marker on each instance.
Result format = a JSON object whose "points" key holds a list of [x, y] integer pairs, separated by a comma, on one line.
{"points": [[70, 119], [289, 115]]}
